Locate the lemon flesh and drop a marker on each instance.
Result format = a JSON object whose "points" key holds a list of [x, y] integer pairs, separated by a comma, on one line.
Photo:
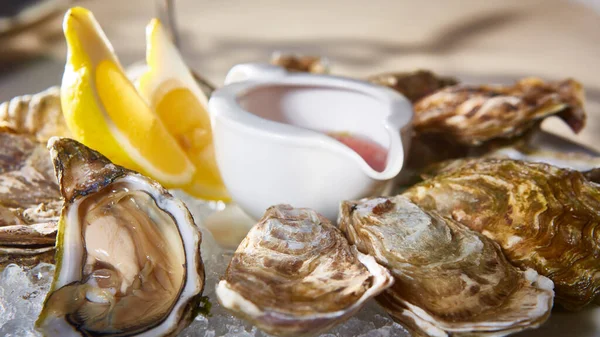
{"points": [[104, 111], [175, 97]]}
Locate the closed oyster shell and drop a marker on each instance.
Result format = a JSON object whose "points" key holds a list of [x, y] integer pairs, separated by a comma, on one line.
{"points": [[449, 280], [413, 85], [301, 63], [39, 115], [128, 253], [30, 201], [586, 163], [543, 217], [295, 275], [471, 115]]}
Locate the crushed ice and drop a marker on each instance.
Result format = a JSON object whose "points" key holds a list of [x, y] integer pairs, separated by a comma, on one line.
{"points": [[22, 292]]}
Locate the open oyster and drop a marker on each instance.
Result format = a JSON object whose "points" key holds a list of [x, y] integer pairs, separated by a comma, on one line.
{"points": [[449, 280], [413, 85], [30, 201], [128, 253], [39, 115], [471, 115], [295, 275], [542, 216]]}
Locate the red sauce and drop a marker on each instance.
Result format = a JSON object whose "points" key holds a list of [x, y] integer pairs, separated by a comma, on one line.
{"points": [[374, 154]]}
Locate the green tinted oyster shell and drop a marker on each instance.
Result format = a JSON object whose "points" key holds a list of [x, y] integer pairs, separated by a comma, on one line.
{"points": [[544, 217]]}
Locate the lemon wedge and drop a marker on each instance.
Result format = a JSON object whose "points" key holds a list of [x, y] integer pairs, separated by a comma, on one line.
{"points": [[104, 111], [171, 91]]}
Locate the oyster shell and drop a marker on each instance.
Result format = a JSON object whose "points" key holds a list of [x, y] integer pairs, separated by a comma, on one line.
{"points": [[301, 63], [471, 115], [295, 275], [30, 201], [39, 115], [128, 253], [542, 216], [578, 161], [449, 280], [413, 85]]}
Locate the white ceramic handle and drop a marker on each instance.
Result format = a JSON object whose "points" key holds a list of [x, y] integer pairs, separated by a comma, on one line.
{"points": [[253, 71]]}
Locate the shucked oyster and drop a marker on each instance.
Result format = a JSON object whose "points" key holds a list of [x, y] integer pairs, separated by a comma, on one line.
{"points": [[449, 280], [39, 115], [128, 253], [295, 275], [543, 217], [471, 115], [30, 201]]}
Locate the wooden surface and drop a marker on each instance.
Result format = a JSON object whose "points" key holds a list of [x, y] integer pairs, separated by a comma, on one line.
{"points": [[478, 41]]}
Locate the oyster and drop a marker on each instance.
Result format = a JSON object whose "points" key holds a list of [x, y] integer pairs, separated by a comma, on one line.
{"points": [[297, 63], [471, 115], [30, 201], [449, 280], [413, 85], [542, 216], [295, 275], [579, 161], [39, 115], [128, 253]]}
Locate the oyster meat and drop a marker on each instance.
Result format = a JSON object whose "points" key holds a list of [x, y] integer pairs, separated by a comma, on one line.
{"points": [[39, 115], [296, 275], [30, 201], [413, 85], [301, 63], [449, 280], [470, 115], [543, 217], [128, 253]]}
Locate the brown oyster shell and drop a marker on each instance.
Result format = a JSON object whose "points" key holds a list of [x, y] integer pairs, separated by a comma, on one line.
{"points": [[25, 257], [471, 115], [301, 63], [39, 115], [449, 280], [296, 275], [30, 201], [542, 216], [413, 85]]}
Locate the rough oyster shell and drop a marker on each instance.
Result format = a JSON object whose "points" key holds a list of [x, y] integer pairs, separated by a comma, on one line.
{"points": [[295, 275], [30, 201], [413, 85], [570, 160], [301, 63], [542, 216], [471, 115], [39, 115], [128, 253], [449, 280]]}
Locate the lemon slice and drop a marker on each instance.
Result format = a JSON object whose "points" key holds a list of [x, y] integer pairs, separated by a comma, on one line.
{"points": [[104, 111], [175, 97]]}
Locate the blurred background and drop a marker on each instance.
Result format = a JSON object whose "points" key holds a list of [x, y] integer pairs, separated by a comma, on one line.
{"points": [[477, 41]]}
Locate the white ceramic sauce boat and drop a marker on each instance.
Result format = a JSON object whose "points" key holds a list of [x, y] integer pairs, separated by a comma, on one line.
{"points": [[270, 145]]}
